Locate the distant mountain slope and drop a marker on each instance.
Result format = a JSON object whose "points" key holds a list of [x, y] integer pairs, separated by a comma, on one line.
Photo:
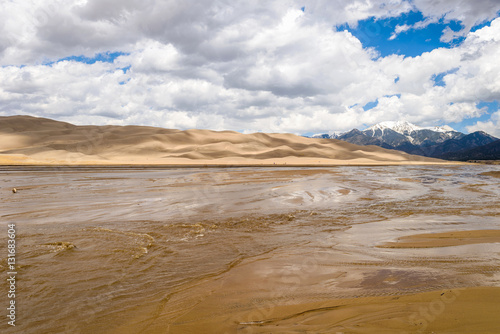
{"points": [[470, 141], [403, 136], [489, 151], [357, 137], [30, 140]]}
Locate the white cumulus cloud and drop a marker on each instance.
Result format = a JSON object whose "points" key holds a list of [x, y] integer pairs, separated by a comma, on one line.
{"points": [[239, 65]]}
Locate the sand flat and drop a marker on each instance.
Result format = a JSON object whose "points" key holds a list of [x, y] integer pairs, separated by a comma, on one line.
{"points": [[492, 174], [445, 239], [439, 311]]}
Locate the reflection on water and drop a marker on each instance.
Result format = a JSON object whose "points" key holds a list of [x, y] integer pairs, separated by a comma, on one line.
{"points": [[102, 248]]}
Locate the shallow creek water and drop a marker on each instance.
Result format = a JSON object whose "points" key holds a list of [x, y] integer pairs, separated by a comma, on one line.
{"points": [[116, 250]]}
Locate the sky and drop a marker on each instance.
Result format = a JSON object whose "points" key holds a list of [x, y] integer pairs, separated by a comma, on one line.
{"points": [[302, 67]]}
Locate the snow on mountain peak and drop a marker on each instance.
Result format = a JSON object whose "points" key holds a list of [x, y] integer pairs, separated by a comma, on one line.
{"points": [[400, 126], [443, 128], [330, 135], [404, 127]]}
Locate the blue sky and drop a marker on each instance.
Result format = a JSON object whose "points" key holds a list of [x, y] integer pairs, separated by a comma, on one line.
{"points": [[377, 33], [103, 57], [489, 107], [285, 66]]}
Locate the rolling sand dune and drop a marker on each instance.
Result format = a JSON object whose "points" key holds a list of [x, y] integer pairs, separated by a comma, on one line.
{"points": [[31, 140]]}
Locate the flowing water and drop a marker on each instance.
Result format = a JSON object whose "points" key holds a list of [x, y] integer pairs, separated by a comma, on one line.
{"points": [[116, 250]]}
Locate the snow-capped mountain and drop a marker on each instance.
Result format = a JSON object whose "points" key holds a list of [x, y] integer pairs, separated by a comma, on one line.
{"points": [[404, 136], [402, 127], [402, 132], [407, 128], [332, 135]]}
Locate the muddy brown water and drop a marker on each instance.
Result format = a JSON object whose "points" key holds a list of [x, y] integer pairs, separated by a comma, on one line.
{"points": [[100, 249]]}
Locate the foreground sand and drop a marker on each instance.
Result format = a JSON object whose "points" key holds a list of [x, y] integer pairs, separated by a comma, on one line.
{"points": [[28, 140], [472, 310], [261, 296]]}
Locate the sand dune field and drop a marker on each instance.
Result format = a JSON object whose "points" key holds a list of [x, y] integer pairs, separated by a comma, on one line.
{"points": [[26, 140]]}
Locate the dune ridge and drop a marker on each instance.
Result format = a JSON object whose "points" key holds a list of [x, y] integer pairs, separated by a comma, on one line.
{"points": [[26, 140]]}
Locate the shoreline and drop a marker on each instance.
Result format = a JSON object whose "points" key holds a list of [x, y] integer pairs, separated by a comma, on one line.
{"points": [[204, 165]]}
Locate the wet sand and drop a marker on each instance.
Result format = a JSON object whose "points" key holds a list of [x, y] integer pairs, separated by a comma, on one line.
{"points": [[438, 311], [254, 250], [446, 239]]}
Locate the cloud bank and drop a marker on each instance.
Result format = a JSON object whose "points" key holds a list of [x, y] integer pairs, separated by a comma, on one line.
{"points": [[239, 65]]}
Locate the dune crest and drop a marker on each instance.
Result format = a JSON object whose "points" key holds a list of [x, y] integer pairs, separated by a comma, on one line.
{"points": [[26, 140]]}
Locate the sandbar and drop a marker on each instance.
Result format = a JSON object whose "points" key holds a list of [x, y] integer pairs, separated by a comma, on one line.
{"points": [[445, 239]]}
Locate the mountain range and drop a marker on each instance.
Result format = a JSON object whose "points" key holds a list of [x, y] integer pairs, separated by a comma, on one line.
{"points": [[437, 142]]}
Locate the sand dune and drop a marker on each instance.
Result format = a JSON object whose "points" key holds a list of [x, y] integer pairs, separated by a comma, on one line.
{"points": [[31, 140]]}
